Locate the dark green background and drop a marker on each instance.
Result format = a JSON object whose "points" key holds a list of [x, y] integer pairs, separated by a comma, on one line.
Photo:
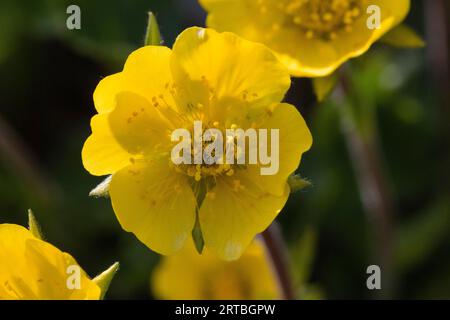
{"points": [[48, 74]]}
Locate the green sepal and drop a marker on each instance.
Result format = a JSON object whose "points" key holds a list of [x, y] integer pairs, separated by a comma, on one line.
{"points": [[297, 183], [153, 35], [103, 280], [33, 225], [324, 86], [403, 37], [102, 190]]}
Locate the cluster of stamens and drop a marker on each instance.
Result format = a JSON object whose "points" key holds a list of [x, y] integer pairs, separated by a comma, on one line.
{"points": [[183, 116], [318, 19], [217, 168]]}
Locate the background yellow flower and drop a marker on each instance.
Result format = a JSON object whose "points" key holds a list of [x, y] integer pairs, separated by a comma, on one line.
{"points": [[223, 81], [312, 37], [32, 269], [48, 74], [188, 275]]}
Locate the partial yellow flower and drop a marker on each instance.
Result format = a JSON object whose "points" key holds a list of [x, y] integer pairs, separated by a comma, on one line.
{"points": [[312, 37], [188, 275], [223, 81], [32, 269]]}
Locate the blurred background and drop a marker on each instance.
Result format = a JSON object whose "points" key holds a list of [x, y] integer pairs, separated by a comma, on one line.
{"points": [[48, 74]]}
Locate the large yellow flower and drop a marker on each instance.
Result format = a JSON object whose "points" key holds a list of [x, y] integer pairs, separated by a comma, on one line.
{"points": [[187, 275], [32, 269], [312, 37], [225, 82]]}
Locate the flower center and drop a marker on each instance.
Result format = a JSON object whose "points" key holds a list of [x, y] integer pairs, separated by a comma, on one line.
{"points": [[323, 19], [214, 152]]}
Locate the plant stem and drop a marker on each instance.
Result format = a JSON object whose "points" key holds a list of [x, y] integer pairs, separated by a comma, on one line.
{"points": [[17, 156], [373, 188], [438, 52], [278, 254]]}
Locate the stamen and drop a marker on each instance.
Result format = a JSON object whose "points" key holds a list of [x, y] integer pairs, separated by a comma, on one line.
{"points": [[322, 19]]}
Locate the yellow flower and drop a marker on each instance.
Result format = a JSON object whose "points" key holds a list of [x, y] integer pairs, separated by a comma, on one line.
{"points": [[188, 275], [32, 269], [311, 37], [223, 81]]}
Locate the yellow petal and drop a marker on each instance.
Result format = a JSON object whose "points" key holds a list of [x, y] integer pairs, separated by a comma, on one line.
{"points": [[188, 275], [34, 269], [102, 154], [146, 72], [314, 57], [154, 203], [230, 67], [137, 125], [295, 139], [230, 217], [132, 129], [183, 275], [318, 58], [244, 17]]}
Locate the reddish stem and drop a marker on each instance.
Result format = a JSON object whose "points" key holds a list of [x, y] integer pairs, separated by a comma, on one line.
{"points": [[278, 254]]}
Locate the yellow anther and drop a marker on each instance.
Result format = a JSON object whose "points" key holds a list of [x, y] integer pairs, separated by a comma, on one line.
{"points": [[230, 172], [309, 34], [356, 11], [327, 16], [318, 19]]}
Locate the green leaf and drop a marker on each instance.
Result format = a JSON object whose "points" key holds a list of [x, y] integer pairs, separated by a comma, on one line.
{"points": [[153, 36], [403, 37], [324, 86], [297, 183], [33, 225], [103, 280], [417, 239], [102, 190]]}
